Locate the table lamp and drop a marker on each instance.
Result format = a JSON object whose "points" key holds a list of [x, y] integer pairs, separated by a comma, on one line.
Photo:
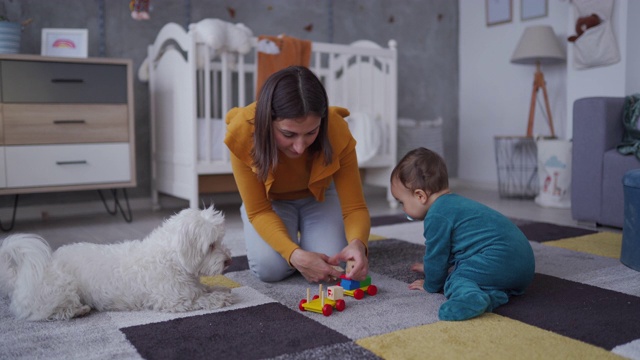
{"points": [[538, 45]]}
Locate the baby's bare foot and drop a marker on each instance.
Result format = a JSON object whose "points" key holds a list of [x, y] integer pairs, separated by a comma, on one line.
{"points": [[417, 285], [417, 267]]}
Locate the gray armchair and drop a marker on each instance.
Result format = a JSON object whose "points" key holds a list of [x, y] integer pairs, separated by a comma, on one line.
{"points": [[597, 167]]}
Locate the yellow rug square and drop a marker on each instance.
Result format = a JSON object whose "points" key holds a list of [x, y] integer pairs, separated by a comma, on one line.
{"points": [[606, 244], [219, 280], [489, 336], [374, 237]]}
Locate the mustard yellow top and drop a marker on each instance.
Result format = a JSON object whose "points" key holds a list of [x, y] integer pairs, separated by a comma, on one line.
{"points": [[296, 179]]}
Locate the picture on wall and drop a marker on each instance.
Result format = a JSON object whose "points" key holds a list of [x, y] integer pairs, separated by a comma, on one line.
{"points": [[533, 9], [498, 11], [65, 42]]}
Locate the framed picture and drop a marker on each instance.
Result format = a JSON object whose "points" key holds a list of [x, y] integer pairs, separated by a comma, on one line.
{"points": [[65, 42], [498, 11], [533, 9]]}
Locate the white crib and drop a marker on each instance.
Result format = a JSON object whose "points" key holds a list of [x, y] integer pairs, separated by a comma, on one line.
{"points": [[190, 93]]}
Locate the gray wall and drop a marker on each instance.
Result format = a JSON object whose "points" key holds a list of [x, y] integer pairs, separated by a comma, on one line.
{"points": [[426, 33]]}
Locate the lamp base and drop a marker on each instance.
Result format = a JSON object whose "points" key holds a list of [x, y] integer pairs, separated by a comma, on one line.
{"points": [[539, 83]]}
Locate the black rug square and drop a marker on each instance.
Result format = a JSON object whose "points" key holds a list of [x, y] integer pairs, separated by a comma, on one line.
{"points": [[250, 333], [587, 313], [393, 258], [541, 232], [388, 219], [238, 263]]}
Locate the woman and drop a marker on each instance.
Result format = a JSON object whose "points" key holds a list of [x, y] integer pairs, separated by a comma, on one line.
{"points": [[294, 161]]}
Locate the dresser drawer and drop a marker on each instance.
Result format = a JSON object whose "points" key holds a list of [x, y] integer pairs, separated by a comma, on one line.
{"points": [[62, 82], [56, 123], [50, 165]]}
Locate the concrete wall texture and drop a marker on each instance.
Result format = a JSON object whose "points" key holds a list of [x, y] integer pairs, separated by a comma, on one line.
{"points": [[426, 32]]}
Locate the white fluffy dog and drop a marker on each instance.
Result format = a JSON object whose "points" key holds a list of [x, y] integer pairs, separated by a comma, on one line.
{"points": [[160, 272]]}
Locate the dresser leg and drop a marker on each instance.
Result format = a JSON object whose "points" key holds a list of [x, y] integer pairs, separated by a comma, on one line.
{"points": [[128, 217], [13, 217]]}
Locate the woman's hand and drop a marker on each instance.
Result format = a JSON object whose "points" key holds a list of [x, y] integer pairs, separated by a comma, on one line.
{"points": [[356, 253], [417, 285], [315, 267]]}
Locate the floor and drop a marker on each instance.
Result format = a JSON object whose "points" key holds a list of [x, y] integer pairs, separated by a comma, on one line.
{"points": [[102, 228]]}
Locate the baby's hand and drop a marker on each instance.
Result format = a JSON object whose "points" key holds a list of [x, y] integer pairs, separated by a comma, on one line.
{"points": [[417, 267], [417, 285]]}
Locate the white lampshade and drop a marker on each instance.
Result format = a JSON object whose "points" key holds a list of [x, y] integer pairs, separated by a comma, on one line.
{"points": [[538, 44]]}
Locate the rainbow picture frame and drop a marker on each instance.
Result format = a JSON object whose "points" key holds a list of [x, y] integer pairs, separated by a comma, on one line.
{"points": [[65, 42]]}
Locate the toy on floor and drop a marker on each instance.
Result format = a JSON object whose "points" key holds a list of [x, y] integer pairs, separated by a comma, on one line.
{"points": [[356, 288], [324, 305]]}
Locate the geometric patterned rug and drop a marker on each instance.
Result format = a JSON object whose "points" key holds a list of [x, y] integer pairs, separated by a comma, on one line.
{"points": [[582, 304]]}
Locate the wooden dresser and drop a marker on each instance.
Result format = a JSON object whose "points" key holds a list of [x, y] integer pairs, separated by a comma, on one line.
{"points": [[65, 124]]}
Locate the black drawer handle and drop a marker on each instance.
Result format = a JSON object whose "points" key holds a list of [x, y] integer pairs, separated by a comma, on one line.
{"points": [[76, 162], [69, 122], [64, 81]]}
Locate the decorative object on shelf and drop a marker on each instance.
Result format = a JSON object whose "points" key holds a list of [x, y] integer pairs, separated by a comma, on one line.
{"points": [[65, 42], [538, 45], [597, 45], [498, 11], [10, 33], [533, 9], [139, 9]]}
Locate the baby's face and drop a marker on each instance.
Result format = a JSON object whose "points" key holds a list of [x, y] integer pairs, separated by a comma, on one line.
{"points": [[414, 203]]}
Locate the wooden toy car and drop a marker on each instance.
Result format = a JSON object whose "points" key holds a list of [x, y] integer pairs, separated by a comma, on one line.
{"points": [[357, 288], [324, 305]]}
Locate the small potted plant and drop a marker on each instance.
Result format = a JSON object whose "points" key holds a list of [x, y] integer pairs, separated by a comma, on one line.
{"points": [[9, 36]]}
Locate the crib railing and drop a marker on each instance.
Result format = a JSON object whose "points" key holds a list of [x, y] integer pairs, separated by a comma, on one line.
{"points": [[361, 77]]}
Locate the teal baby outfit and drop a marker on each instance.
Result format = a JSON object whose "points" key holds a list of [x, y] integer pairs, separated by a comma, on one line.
{"points": [[491, 258]]}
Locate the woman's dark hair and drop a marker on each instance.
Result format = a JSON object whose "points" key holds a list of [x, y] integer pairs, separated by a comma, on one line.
{"points": [[290, 93], [422, 169]]}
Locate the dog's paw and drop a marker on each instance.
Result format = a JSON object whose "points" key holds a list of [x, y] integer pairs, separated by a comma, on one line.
{"points": [[82, 311], [215, 300], [70, 312]]}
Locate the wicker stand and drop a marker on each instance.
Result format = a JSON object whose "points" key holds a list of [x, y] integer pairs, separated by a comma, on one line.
{"points": [[517, 165]]}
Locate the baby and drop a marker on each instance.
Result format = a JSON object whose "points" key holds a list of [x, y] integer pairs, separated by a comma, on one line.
{"points": [[490, 257]]}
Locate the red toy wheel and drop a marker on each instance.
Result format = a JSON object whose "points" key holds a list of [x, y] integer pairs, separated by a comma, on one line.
{"points": [[340, 305], [327, 310], [303, 301], [316, 297], [372, 290], [358, 294]]}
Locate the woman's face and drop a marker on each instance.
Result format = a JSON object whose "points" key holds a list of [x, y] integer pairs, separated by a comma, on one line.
{"points": [[294, 136]]}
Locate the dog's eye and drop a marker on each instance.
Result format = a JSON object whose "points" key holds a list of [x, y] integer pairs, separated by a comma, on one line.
{"points": [[212, 247]]}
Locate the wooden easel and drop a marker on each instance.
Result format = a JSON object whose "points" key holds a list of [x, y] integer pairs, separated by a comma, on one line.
{"points": [[539, 83]]}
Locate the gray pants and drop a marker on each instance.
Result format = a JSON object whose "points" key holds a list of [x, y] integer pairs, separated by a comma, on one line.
{"points": [[319, 225]]}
